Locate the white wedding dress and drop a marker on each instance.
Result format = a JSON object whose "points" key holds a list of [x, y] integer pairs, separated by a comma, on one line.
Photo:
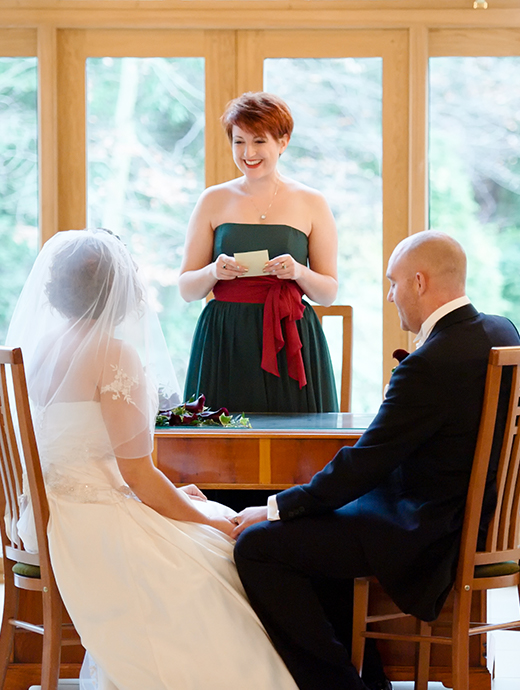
{"points": [[157, 602]]}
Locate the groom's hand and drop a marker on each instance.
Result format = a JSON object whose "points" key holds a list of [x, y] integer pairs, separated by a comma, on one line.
{"points": [[248, 517]]}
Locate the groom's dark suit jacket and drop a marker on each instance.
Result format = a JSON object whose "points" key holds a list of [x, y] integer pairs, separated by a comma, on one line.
{"points": [[405, 481]]}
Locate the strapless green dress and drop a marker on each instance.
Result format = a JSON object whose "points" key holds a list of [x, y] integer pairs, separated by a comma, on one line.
{"points": [[226, 353]]}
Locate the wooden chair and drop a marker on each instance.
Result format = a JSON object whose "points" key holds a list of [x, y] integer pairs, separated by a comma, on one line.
{"points": [[495, 567], [23, 570], [346, 362]]}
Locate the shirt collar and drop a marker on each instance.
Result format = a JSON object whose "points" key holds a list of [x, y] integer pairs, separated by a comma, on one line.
{"points": [[430, 322]]}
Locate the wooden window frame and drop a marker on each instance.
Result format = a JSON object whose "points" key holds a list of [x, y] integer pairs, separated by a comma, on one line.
{"points": [[232, 36]]}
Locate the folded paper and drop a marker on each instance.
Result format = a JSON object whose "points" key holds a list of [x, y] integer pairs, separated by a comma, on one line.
{"points": [[253, 261]]}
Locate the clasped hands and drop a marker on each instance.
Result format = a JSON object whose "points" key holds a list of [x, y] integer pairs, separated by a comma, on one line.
{"points": [[235, 525], [284, 267], [239, 522], [246, 518]]}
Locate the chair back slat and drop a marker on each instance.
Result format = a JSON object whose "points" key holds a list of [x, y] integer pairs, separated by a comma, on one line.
{"points": [[345, 312], [10, 465], [16, 414], [502, 537], [514, 526], [478, 476], [513, 539]]}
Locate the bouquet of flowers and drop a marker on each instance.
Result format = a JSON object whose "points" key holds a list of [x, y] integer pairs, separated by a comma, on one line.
{"points": [[195, 413]]}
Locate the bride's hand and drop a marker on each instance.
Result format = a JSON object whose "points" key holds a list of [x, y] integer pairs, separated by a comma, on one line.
{"points": [[223, 524], [247, 517], [193, 492]]}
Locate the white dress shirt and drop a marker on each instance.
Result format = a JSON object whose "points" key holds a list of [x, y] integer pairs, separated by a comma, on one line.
{"points": [[437, 315]]}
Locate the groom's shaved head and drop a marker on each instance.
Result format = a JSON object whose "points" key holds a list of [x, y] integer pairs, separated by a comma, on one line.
{"points": [[438, 256], [426, 271]]}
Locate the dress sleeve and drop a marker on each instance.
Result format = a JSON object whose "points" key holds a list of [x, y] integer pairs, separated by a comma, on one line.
{"points": [[127, 403]]}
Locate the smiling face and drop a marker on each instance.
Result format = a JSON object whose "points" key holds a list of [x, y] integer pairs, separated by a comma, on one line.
{"points": [[404, 291], [256, 155]]}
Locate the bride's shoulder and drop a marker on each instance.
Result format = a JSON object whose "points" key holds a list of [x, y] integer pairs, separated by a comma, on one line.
{"points": [[120, 350], [121, 357]]}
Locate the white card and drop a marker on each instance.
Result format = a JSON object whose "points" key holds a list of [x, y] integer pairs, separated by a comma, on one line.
{"points": [[254, 261]]}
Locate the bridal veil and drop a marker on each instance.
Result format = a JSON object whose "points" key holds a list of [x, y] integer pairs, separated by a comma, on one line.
{"points": [[83, 293]]}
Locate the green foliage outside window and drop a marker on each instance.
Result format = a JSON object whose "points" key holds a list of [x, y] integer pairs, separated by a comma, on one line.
{"points": [[475, 171], [145, 123], [18, 180], [336, 148]]}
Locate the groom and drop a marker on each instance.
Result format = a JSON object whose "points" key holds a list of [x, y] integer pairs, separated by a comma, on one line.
{"points": [[392, 505]]}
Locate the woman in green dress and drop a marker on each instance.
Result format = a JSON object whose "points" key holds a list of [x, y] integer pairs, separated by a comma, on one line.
{"points": [[258, 346]]}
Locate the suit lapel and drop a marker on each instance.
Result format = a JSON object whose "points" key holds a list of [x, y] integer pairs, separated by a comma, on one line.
{"points": [[464, 313]]}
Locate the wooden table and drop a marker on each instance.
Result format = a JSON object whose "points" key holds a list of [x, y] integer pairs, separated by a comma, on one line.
{"points": [[277, 452]]}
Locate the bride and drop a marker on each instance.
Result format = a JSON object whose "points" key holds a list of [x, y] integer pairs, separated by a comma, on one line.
{"points": [[145, 569]]}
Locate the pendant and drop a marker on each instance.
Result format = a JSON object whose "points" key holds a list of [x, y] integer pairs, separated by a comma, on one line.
{"points": [[263, 216]]}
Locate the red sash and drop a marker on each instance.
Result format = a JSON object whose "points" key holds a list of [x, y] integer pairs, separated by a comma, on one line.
{"points": [[283, 302]]}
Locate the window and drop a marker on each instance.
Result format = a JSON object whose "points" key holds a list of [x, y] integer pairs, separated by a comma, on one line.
{"points": [[475, 171], [18, 179], [336, 147], [145, 130]]}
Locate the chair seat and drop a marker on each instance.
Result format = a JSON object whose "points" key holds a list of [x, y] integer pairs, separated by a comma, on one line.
{"points": [[26, 570], [496, 569], [63, 684]]}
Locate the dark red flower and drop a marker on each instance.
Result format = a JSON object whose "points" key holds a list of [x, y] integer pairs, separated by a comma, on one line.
{"points": [[211, 414], [400, 354], [196, 406]]}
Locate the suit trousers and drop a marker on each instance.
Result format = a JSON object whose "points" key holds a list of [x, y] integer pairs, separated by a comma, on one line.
{"points": [[298, 575]]}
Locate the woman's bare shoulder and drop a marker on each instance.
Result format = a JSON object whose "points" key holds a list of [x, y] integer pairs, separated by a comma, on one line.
{"points": [[296, 187], [224, 189], [307, 197]]}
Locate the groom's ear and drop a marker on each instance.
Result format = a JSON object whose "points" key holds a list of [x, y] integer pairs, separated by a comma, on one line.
{"points": [[420, 283]]}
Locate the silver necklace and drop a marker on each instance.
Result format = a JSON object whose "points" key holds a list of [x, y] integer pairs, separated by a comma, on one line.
{"points": [[263, 215]]}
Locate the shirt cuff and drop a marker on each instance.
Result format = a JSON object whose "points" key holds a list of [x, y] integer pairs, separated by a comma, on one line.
{"points": [[272, 509]]}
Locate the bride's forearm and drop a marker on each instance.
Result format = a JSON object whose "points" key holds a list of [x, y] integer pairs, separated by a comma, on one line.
{"points": [[161, 495], [154, 489]]}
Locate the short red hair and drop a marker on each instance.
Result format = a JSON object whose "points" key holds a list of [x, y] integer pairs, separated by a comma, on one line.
{"points": [[260, 113]]}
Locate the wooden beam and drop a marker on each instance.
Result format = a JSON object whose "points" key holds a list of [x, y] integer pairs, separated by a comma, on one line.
{"points": [[72, 159], [48, 132], [220, 52]]}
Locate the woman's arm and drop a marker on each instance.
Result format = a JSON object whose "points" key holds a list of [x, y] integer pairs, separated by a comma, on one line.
{"points": [[125, 407], [154, 489], [198, 272], [319, 280], [198, 275]]}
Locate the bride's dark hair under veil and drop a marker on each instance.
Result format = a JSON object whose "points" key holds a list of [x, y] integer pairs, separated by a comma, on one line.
{"points": [[82, 277], [87, 333]]}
